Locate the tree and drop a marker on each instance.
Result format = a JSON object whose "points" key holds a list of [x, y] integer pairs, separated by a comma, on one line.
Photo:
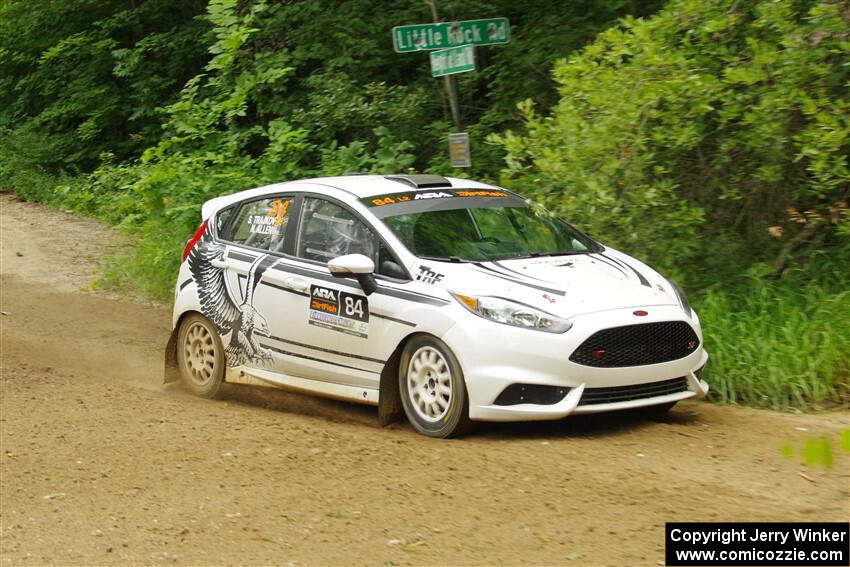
{"points": [[706, 137]]}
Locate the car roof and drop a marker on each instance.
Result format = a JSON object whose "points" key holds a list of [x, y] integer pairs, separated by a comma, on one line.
{"points": [[359, 186], [370, 185]]}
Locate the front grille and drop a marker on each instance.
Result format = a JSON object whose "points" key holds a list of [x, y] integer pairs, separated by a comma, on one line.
{"points": [[593, 396], [636, 345]]}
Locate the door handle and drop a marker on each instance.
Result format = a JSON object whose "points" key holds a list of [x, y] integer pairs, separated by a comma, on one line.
{"points": [[220, 264], [296, 283]]}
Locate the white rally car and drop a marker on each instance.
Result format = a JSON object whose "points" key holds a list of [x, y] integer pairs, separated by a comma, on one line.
{"points": [[453, 300]]}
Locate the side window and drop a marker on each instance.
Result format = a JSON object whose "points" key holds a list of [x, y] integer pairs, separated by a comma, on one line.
{"points": [[329, 230], [221, 219], [262, 224]]}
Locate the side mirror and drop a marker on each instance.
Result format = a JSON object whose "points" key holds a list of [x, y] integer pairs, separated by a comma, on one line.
{"points": [[358, 266], [350, 265]]}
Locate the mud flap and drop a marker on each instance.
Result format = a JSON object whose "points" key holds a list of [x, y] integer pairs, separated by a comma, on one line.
{"points": [[390, 409], [171, 373]]}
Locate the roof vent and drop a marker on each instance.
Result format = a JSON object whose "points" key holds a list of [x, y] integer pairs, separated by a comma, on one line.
{"points": [[421, 181]]}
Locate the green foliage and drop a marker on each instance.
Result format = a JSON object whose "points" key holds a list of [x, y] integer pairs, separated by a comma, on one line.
{"points": [[19, 171], [817, 451], [91, 77], [781, 344], [206, 151], [686, 138], [844, 441], [211, 148], [85, 76], [389, 157]]}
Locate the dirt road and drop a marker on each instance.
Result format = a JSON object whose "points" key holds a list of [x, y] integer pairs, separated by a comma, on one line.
{"points": [[101, 464]]}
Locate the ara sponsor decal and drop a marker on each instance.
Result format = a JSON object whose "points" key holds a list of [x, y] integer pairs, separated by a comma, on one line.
{"points": [[427, 275], [432, 195], [339, 311], [233, 314]]}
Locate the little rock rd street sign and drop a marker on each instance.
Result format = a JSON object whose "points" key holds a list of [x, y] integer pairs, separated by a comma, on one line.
{"points": [[421, 37]]}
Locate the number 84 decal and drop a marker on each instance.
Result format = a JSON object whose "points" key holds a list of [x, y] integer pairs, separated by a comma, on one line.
{"points": [[339, 311]]}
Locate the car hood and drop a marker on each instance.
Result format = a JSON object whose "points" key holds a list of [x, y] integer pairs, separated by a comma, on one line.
{"points": [[565, 286]]}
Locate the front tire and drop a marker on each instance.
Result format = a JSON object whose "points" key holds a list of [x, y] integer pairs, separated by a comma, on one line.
{"points": [[432, 388], [200, 356]]}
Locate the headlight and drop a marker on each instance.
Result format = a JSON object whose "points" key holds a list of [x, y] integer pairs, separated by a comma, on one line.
{"points": [[683, 299], [512, 313]]}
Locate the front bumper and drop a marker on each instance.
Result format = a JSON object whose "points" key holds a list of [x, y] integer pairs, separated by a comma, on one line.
{"points": [[495, 356]]}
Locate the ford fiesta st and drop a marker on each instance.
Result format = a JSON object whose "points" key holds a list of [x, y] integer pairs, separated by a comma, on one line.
{"points": [[449, 300]]}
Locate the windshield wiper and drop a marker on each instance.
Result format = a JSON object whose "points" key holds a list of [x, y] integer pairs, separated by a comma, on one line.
{"points": [[544, 255], [453, 259]]}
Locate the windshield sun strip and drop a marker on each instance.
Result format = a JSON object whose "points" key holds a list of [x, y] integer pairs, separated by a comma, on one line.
{"points": [[438, 203], [408, 196]]}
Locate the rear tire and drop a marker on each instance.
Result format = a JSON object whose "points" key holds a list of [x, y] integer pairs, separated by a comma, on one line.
{"points": [[200, 356], [432, 388]]}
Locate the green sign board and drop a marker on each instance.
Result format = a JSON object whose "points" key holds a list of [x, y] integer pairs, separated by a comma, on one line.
{"points": [[453, 60], [423, 37]]}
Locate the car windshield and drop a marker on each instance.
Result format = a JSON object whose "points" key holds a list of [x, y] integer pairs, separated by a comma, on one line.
{"points": [[475, 234]]}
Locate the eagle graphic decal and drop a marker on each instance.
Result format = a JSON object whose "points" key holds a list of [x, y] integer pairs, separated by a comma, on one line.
{"points": [[227, 313]]}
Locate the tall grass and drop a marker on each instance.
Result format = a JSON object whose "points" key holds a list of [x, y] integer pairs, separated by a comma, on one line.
{"points": [[779, 344]]}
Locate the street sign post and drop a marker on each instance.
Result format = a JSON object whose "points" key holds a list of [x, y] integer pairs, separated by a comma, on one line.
{"points": [[452, 60], [452, 47], [442, 35], [459, 150]]}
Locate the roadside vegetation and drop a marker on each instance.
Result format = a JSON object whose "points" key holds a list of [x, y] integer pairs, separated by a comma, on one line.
{"points": [[711, 139]]}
